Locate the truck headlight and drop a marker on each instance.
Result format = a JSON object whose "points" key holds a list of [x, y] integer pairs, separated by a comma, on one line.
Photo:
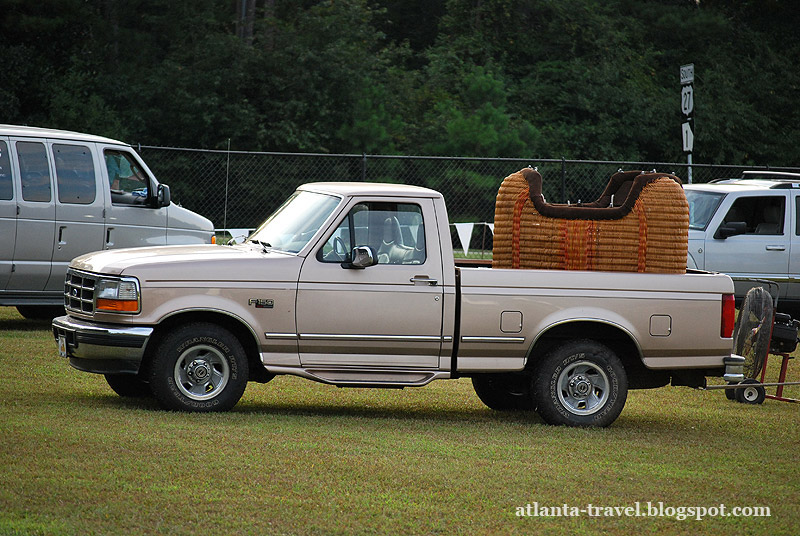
{"points": [[117, 295]]}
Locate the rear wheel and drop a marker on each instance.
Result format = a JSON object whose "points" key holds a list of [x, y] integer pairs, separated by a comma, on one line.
{"points": [[749, 393], [504, 392], [580, 383], [199, 367]]}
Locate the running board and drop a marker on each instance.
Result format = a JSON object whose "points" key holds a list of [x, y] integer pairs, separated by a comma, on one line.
{"points": [[348, 377]]}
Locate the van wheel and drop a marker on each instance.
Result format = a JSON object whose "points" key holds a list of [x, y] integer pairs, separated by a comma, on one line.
{"points": [[504, 392], [199, 367], [128, 385], [40, 312], [580, 383]]}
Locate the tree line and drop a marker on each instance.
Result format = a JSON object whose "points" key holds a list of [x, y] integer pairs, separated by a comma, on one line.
{"points": [[591, 79]]}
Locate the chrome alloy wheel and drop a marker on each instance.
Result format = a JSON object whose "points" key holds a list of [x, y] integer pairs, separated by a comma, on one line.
{"points": [[201, 372], [583, 388]]}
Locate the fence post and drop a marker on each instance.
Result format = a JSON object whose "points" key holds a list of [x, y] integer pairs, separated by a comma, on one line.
{"points": [[363, 167], [563, 180]]}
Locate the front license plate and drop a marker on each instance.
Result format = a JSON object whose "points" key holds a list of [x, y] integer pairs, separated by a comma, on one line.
{"points": [[62, 346]]}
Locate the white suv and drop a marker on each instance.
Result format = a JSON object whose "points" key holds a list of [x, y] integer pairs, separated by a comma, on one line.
{"points": [[749, 228]]}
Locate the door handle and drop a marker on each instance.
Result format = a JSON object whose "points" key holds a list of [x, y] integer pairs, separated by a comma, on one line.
{"points": [[424, 279], [779, 247], [61, 234]]}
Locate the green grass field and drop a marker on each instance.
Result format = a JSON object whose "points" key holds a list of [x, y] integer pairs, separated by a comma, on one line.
{"points": [[297, 457]]}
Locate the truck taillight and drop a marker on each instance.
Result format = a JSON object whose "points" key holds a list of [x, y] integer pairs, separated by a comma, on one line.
{"points": [[728, 316]]}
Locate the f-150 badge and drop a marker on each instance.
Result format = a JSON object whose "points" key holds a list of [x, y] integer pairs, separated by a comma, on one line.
{"points": [[261, 303]]}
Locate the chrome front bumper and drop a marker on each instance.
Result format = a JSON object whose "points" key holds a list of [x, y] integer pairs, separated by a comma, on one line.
{"points": [[734, 368], [100, 348]]}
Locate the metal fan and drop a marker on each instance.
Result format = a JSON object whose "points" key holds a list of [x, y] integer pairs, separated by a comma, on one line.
{"points": [[753, 330]]}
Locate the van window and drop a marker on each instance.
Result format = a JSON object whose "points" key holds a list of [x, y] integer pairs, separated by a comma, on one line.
{"points": [[34, 171], [6, 188], [74, 174], [128, 182]]}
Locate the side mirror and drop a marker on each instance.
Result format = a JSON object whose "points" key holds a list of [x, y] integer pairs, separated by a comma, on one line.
{"points": [[363, 256], [162, 197], [732, 228]]}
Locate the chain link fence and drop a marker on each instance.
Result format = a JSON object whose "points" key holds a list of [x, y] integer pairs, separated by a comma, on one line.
{"points": [[238, 190]]}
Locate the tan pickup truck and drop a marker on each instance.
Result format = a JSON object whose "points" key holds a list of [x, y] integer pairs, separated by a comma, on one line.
{"points": [[355, 285]]}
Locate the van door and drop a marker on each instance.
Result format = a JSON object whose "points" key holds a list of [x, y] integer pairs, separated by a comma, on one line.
{"points": [[36, 215], [133, 217], [8, 214], [79, 207]]}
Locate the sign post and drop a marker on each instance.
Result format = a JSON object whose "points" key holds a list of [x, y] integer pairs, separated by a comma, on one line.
{"points": [[687, 109]]}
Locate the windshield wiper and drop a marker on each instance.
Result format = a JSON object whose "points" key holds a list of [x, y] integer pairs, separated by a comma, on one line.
{"points": [[264, 245]]}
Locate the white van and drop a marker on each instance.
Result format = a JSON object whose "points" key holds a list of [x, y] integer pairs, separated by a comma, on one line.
{"points": [[749, 228], [63, 194]]}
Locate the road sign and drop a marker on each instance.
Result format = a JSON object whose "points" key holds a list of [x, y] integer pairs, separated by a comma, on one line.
{"points": [[688, 137], [687, 74], [687, 99]]}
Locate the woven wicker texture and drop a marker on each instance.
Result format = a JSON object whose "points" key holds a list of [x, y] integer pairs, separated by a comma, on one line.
{"points": [[647, 233]]}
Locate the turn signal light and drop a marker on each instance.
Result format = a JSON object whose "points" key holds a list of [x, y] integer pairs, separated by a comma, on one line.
{"points": [[120, 306]]}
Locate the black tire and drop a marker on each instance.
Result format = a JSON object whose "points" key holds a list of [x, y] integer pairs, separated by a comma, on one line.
{"points": [[128, 385], [40, 312], [750, 394], [504, 392], [730, 394], [580, 383], [199, 367]]}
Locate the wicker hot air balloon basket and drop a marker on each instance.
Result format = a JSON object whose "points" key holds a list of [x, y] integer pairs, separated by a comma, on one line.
{"points": [[639, 224]]}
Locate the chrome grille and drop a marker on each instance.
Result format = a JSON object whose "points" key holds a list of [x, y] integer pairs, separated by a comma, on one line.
{"points": [[79, 292]]}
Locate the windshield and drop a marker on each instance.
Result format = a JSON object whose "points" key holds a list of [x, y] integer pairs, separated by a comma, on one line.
{"points": [[702, 206], [295, 222]]}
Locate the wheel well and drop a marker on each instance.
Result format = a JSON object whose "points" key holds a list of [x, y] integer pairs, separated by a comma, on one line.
{"points": [[618, 340], [235, 326]]}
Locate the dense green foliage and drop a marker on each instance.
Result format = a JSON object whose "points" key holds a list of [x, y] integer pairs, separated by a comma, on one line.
{"points": [[591, 79]]}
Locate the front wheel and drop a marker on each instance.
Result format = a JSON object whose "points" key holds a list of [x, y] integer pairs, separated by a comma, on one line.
{"points": [[199, 367], [580, 383]]}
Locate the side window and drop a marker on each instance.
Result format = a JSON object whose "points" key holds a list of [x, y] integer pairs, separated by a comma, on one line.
{"points": [[34, 171], [128, 181], [763, 215], [75, 178], [394, 230], [6, 188]]}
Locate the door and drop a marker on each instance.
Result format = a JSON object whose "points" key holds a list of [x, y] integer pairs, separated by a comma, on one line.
{"points": [[763, 251], [132, 218], [8, 214], [36, 215], [793, 286], [386, 315], [79, 207]]}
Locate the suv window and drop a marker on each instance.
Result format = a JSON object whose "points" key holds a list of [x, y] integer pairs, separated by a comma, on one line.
{"points": [[34, 171], [128, 181], [74, 174], [6, 188], [394, 230], [762, 215]]}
